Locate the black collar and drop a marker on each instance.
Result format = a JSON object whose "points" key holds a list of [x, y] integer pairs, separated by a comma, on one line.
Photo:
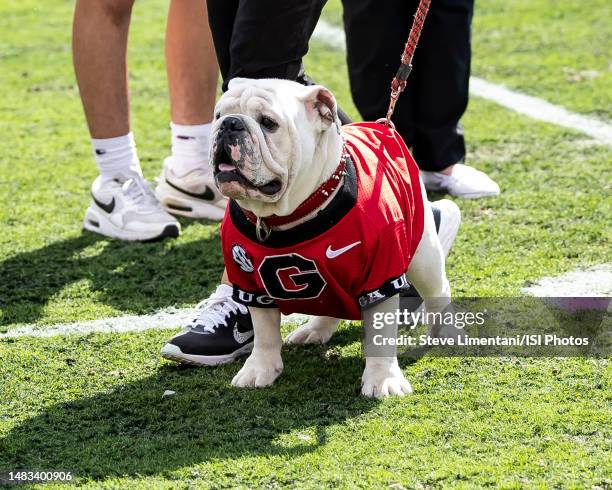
{"points": [[341, 204]]}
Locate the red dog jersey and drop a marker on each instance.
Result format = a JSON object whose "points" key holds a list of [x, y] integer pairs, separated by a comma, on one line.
{"points": [[353, 253]]}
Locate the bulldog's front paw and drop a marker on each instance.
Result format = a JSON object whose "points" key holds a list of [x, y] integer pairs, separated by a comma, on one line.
{"points": [[317, 331], [380, 380], [258, 372]]}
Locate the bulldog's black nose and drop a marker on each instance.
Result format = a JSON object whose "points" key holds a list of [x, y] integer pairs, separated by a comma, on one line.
{"points": [[232, 123]]}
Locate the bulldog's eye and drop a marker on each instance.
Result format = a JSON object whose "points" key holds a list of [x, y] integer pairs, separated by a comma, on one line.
{"points": [[268, 123], [217, 115]]}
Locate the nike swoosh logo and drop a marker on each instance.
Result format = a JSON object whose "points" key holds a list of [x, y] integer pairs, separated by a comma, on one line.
{"points": [[207, 195], [332, 254], [106, 207], [242, 337]]}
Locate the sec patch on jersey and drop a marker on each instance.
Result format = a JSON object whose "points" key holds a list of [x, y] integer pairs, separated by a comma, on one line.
{"points": [[242, 259]]}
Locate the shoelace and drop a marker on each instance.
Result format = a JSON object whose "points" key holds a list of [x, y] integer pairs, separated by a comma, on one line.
{"points": [[139, 192], [214, 310]]}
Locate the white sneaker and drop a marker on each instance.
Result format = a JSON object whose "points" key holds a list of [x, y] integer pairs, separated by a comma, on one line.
{"points": [[194, 195], [128, 211], [448, 219], [464, 181]]}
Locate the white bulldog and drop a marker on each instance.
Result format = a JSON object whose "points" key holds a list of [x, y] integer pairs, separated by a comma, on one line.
{"points": [[275, 143]]}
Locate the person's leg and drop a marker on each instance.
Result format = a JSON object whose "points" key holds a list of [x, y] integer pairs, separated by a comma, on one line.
{"points": [[244, 49], [441, 80], [191, 63], [221, 18], [270, 38], [428, 112], [262, 38], [375, 35], [186, 186], [99, 45], [122, 205]]}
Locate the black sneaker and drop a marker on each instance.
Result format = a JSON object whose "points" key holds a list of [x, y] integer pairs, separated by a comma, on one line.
{"points": [[221, 332]]}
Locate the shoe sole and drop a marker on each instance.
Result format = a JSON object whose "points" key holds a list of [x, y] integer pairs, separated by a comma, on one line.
{"points": [[180, 204], [450, 221], [96, 222], [477, 195], [173, 353], [436, 187], [474, 195]]}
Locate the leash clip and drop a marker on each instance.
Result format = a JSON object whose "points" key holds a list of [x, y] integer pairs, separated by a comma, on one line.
{"points": [[395, 93], [386, 122]]}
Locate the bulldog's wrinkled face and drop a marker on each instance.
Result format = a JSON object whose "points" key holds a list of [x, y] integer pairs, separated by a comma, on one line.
{"points": [[265, 134]]}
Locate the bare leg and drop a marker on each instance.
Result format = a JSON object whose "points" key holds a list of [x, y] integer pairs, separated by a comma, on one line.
{"points": [[99, 46], [191, 63]]}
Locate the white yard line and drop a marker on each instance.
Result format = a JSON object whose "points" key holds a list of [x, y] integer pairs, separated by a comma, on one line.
{"points": [[593, 282], [167, 319], [541, 110], [530, 106]]}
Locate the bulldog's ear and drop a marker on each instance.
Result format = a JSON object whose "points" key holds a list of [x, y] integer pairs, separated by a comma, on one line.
{"points": [[321, 102]]}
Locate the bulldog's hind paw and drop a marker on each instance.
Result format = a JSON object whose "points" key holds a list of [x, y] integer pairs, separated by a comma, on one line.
{"points": [[379, 383], [258, 373], [317, 331]]}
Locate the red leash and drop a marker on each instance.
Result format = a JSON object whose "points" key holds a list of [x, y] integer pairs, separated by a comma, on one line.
{"points": [[398, 84]]}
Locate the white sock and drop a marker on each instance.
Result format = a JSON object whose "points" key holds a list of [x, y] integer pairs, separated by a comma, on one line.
{"points": [[116, 157], [190, 148]]}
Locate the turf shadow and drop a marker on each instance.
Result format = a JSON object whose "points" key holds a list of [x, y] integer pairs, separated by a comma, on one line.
{"points": [[131, 277], [133, 430]]}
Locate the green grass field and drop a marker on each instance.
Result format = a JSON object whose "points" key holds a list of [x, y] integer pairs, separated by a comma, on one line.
{"points": [[93, 404]]}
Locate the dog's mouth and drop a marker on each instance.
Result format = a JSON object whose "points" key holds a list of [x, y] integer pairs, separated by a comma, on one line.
{"points": [[226, 170]]}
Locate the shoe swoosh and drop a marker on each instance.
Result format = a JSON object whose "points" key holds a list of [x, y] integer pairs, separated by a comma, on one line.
{"points": [[207, 195], [332, 254], [106, 207], [242, 337]]}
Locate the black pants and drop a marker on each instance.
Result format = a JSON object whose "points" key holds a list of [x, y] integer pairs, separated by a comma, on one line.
{"points": [[428, 112], [264, 38]]}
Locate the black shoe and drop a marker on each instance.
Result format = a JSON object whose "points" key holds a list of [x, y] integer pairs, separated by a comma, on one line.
{"points": [[221, 332]]}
